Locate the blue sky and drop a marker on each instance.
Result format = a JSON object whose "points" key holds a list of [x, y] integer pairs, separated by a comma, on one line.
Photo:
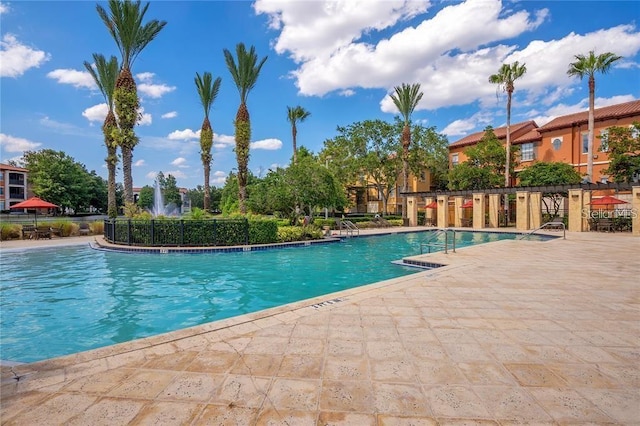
{"points": [[338, 59]]}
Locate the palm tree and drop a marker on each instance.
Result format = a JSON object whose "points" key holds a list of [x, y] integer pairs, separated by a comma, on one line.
{"points": [[208, 91], [588, 66], [105, 75], [505, 78], [245, 74], [406, 98], [295, 114], [125, 26]]}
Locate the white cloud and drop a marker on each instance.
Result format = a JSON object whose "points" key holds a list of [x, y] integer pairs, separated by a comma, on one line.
{"points": [[223, 141], [151, 175], [155, 91], [14, 144], [467, 125], [219, 178], [267, 144], [178, 174], [145, 76], [450, 53], [4, 8], [145, 118], [180, 162], [17, 58], [139, 163], [73, 77], [60, 127], [171, 114], [347, 92], [96, 113], [184, 135]]}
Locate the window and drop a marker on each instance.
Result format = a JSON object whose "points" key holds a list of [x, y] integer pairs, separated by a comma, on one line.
{"points": [[604, 140], [557, 143], [585, 143], [454, 159], [526, 152]]}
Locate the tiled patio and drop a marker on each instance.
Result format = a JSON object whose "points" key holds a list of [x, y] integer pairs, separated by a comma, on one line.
{"points": [[510, 332]]}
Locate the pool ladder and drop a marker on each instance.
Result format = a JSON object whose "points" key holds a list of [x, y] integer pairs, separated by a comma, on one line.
{"points": [[554, 224], [449, 241]]}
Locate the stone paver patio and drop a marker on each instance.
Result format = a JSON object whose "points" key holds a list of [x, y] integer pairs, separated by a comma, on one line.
{"points": [[509, 332]]}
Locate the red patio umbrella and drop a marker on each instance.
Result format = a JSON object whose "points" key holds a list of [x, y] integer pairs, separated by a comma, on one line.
{"points": [[431, 205], [467, 204], [34, 203], [607, 200]]}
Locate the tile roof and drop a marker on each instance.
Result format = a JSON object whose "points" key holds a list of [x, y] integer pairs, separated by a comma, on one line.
{"points": [[614, 111], [12, 168], [501, 133], [531, 136]]}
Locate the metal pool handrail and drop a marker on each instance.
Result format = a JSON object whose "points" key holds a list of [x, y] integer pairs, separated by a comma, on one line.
{"points": [[546, 225], [429, 243]]}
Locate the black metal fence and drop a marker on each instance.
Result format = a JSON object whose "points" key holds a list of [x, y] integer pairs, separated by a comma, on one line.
{"points": [[167, 233]]}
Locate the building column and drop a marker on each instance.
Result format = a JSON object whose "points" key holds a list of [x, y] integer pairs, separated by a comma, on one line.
{"points": [[412, 211], [443, 211], [522, 211], [635, 211], [575, 210], [428, 213], [479, 210], [535, 210], [585, 211], [457, 211], [494, 208]]}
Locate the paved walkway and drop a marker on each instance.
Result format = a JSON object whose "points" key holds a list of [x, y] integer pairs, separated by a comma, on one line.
{"points": [[510, 332]]}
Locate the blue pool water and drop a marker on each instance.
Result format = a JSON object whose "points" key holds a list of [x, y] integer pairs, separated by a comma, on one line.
{"points": [[65, 300]]}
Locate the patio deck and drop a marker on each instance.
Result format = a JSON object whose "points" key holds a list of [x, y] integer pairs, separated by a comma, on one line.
{"points": [[509, 332]]}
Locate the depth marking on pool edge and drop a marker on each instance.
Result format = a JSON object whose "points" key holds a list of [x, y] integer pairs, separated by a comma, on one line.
{"points": [[326, 302]]}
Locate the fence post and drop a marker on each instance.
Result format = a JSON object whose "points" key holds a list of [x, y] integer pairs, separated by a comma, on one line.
{"points": [[129, 232], [181, 232], [246, 231], [153, 236]]}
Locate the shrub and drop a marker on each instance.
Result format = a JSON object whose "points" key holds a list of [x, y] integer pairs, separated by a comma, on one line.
{"points": [[263, 231], [66, 227], [97, 227], [298, 233], [9, 231], [325, 222]]}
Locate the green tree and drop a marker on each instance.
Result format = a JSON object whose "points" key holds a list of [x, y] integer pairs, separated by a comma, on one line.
{"points": [[546, 174], [207, 91], [505, 79], [623, 144], [171, 192], [245, 74], [59, 179], [105, 75], [124, 22], [196, 196], [294, 115], [98, 188], [588, 66], [406, 98], [146, 198], [485, 164]]}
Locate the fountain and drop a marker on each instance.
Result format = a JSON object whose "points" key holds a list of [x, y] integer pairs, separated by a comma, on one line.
{"points": [[159, 208]]}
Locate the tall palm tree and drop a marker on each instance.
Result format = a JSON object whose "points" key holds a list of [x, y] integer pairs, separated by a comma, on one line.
{"points": [[208, 91], [294, 115], [406, 98], [105, 75], [589, 65], [505, 79], [245, 75], [124, 22]]}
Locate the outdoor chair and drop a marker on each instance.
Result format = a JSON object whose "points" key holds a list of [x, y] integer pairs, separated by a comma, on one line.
{"points": [[605, 225], [28, 231], [43, 232], [56, 231], [84, 229]]}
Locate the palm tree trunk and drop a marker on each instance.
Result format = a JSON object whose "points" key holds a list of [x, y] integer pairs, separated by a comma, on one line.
{"points": [[127, 156], [507, 164], [243, 136], [207, 194], [112, 159], [406, 141], [294, 134], [592, 93]]}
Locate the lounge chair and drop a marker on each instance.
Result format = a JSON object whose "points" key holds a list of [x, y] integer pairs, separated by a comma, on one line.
{"points": [[28, 231], [43, 232], [84, 229]]}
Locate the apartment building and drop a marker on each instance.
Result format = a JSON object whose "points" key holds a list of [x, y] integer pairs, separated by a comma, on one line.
{"points": [[13, 185], [563, 139]]}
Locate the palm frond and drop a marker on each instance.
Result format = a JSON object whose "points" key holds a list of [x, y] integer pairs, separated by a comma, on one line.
{"points": [[590, 64], [207, 90], [246, 70], [105, 75], [406, 98], [297, 114]]}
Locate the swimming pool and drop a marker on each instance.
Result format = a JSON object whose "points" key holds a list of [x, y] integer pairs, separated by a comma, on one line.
{"points": [[65, 300]]}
